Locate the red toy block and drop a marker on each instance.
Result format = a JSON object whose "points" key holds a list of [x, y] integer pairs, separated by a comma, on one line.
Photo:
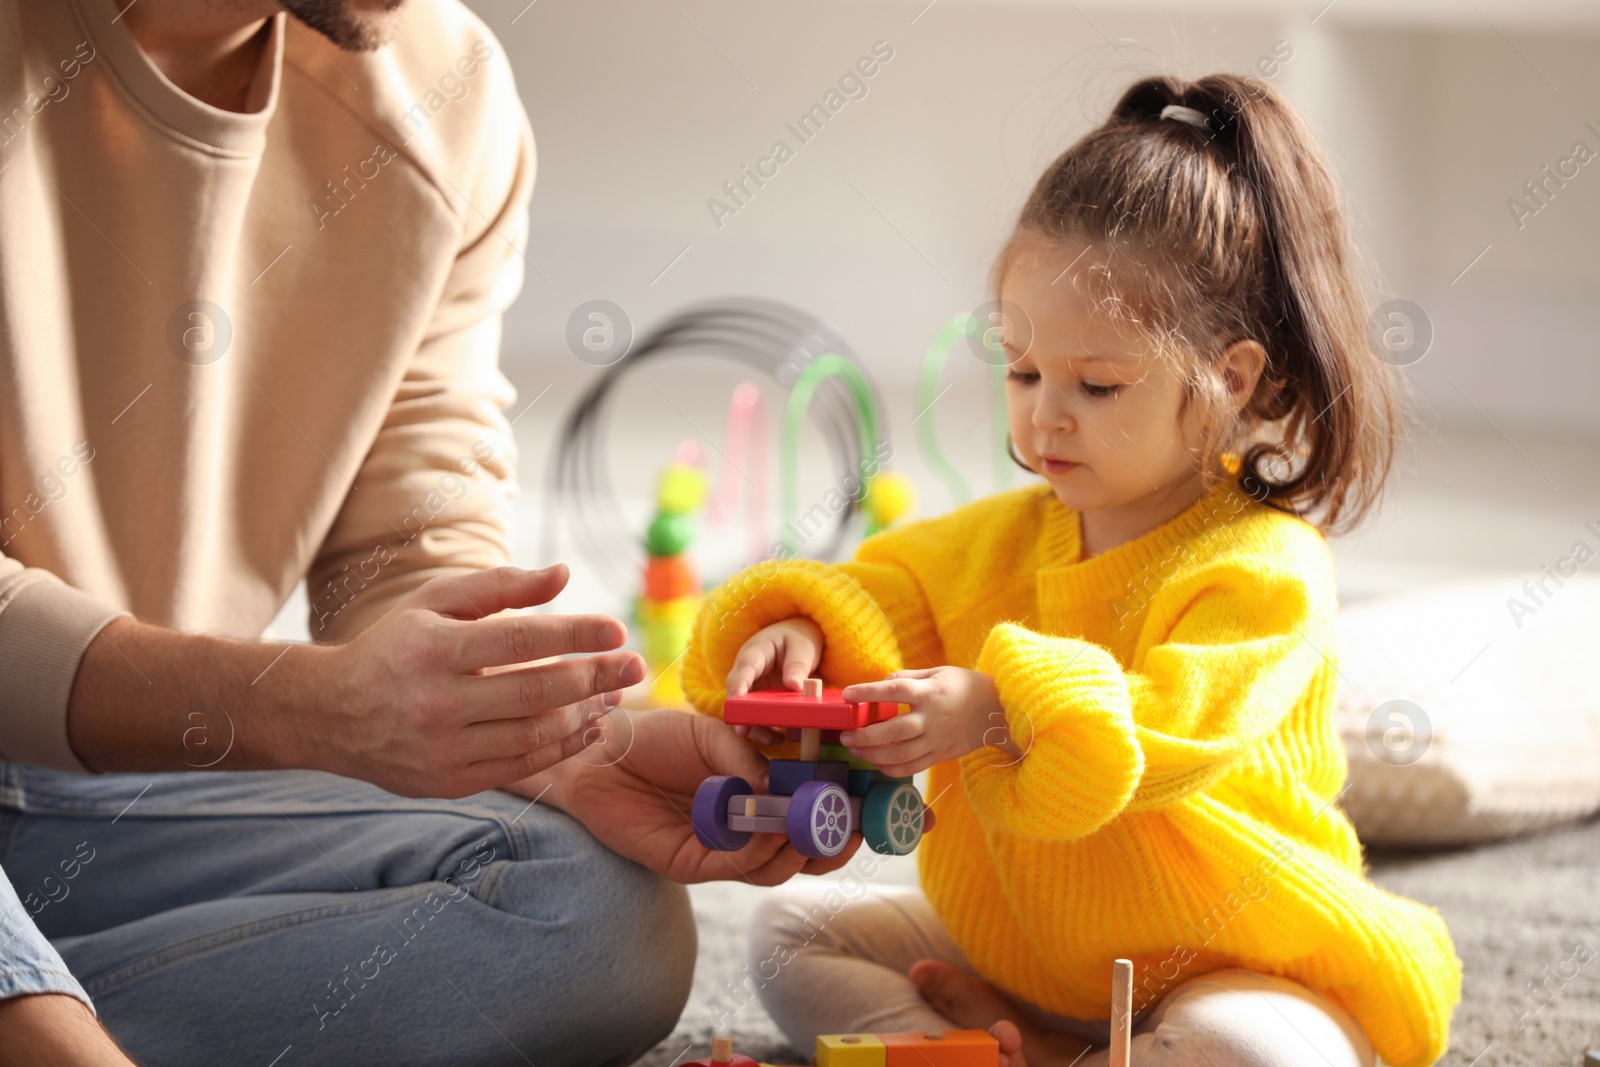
{"points": [[785, 708], [946, 1048]]}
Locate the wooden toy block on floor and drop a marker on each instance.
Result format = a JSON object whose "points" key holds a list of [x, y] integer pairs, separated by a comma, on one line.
{"points": [[933, 1048], [849, 1050], [941, 1048]]}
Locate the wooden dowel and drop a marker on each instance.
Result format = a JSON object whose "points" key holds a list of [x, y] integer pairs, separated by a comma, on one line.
{"points": [[1121, 1012], [810, 744]]}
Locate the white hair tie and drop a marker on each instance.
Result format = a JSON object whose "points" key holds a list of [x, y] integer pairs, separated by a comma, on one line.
{"points": [[1180, 113]]}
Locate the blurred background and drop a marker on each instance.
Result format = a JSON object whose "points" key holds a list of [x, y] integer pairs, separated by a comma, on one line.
{"points": [[1436, 113]]}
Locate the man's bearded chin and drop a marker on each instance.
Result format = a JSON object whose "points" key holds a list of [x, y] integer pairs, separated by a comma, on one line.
{"points": [[355, 27]]}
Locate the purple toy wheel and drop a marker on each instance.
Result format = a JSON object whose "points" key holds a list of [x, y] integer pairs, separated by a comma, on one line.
{"points": [[711, 813], [819, 819]]}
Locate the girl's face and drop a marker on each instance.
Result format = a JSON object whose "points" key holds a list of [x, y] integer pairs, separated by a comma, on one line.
{"points": [[1093, 408]]}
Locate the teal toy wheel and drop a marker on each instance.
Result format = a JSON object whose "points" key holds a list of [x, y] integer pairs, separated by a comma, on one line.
{"points": [[892, 818]]}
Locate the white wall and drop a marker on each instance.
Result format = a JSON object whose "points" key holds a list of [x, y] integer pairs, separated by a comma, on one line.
{"points": [[1436, 113]]}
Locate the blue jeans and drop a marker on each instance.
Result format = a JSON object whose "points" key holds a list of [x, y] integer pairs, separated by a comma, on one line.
{"points": [[297, 918]]}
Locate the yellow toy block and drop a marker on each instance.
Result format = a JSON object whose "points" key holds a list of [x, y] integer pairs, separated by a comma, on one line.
{"points": [[849, 1050]]}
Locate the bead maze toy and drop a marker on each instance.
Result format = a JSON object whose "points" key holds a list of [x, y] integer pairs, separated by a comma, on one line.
{"points": [[823, 797], [936, 1048], [775, 340], [827, 389]]}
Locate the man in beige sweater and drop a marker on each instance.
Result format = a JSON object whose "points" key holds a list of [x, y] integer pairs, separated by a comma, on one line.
{"points": [[252, 267]]}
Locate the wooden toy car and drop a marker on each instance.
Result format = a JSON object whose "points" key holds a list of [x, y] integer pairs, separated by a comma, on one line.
{"points": [[818, 802]]}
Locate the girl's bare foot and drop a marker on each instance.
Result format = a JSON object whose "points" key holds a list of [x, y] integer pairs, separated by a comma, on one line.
{"points": [[1005, 1031]]}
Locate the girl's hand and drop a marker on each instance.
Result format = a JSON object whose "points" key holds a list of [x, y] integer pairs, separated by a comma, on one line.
{"points": [[782, 655], [951, 711]]}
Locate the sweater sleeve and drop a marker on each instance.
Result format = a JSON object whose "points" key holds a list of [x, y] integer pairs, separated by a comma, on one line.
{"points": [[873, 613], [1243, 641], [45, 627], [436, 487]]}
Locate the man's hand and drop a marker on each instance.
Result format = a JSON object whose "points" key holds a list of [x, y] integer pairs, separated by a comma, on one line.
{"points": [[953, 710], [421, 709], [57, 1029], [635, 791], [434, 699]]}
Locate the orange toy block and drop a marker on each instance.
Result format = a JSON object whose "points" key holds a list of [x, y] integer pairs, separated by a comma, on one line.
{"points": [[669, 577], [941, 1048]]}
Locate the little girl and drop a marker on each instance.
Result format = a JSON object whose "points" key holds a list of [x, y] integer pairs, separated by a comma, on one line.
{"points": [[1122, 678]]}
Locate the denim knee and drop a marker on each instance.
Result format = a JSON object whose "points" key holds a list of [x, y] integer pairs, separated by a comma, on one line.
{"points": [[625, 938], [652, 942]]}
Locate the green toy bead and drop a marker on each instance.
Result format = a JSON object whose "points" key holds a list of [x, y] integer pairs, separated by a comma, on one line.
{"points": [[669, 533]]}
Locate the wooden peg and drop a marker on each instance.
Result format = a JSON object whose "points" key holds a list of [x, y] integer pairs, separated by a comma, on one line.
{"points": [[721, 1049], [811, 688], [810, 744], [1121, 1012]]}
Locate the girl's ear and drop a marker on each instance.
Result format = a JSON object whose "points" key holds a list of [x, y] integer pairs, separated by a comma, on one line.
{"points": [[1240, 366]]}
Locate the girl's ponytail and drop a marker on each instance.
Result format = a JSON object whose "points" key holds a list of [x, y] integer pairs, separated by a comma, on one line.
{"points": [[1226, 218]]}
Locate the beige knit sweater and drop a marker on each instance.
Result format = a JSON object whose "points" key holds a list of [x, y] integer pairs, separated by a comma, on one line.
{"points": [[239, 349]]}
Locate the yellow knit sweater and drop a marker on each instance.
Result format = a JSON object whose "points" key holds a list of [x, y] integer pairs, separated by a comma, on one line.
{"points": [[1175, 805]]}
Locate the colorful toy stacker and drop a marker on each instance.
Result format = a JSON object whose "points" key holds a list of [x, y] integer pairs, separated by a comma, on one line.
{"points": [[823, 797]]}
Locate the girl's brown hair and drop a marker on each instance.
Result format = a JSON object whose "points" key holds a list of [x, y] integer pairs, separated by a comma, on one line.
{"points": [[1235, 232]]}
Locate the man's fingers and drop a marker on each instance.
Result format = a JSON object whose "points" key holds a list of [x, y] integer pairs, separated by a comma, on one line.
{"points": [[546, 687], [788, 862], [755, 866], [521, 638], [504, 738], [725, 752], [823, 866], [764, 735], [473, 596]]}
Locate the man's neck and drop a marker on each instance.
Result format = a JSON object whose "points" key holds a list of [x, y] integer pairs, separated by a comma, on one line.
{"points": [[210, 50]]}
